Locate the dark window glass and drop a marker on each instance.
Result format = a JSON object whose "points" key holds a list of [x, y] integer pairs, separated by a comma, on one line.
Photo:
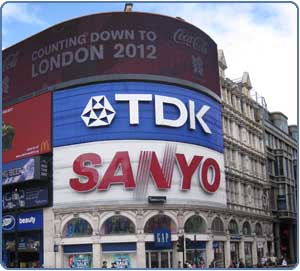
{"points": [[286, 167], [217, 225], [195, 224], [246, 228], [77, 227], [280, 164], [160, 222], [270, 166], [118, 225], [233, 227], [248, 254], [258, 229], [276, 167]]}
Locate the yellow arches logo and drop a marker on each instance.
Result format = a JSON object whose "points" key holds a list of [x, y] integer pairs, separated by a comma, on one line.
{"points": [[45, 146]]}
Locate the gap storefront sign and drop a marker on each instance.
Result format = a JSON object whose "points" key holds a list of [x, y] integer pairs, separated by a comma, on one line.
{"points": [[137, 139], [24, 221]]}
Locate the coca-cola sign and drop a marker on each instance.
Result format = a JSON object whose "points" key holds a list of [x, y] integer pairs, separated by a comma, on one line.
{"points": [[182, 36], [137, 45]]}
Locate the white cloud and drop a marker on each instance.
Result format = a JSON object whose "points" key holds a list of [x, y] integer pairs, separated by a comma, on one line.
{"points": [[22, 13], [259, 38]]}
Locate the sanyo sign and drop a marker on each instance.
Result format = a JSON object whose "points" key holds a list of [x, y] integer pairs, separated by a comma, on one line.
{"points": [[131, 170], [99, 111]]}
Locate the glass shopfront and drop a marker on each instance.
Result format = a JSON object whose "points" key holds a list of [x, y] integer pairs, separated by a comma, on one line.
{"points": [[248, 254], [260, 252], [25, 230], [196, 253], [81, 261], [219, 254], [78, 256], [234, 251], [159, 259], [122, 254], [29, 254]]}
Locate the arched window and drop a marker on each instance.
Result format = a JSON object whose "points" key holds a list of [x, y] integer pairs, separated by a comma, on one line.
{"points": [[118, 225], [217, 225], [258, 230], [246, 228], [160, 222], [233, 227], [77, 227], [195, 224]]}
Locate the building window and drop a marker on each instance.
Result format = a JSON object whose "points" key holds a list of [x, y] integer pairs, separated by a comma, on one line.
{"points": [[77, 227], [233, 227], [217, 225], [248, 254], [118, 225], [246, 228], [160, 222], [195, 224], [258, 230], [270, 167], [279, 166], [242, 106]]}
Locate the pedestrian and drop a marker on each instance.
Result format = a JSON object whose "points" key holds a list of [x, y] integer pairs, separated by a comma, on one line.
{"points": [[113, 265], [188, 264], [212, 264], [284, 262], [202, 263], [179, 264], [232, 265], [104, 264], [273, 259], [241, 264]]}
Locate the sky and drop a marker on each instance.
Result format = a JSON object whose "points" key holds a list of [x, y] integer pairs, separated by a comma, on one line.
{"points": [[260, 38]]}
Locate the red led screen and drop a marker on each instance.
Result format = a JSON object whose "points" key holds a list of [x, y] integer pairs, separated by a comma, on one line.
{"points": [[26, 128], [110, 43]]}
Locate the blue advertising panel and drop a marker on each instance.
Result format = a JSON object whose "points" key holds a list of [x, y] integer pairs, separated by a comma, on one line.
{"points": [[136, 110], [30, 221], [25, 221], [25, 197], [8, 223], [34, 168], [162, 238]]}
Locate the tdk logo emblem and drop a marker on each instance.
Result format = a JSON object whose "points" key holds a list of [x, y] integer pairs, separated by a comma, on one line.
{"points": [[98, 112]]}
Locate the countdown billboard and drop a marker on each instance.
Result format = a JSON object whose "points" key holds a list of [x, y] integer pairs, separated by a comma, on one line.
{"points": [[110, 44], [26, 128]]}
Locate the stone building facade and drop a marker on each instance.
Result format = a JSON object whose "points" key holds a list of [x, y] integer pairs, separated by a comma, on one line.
{"points": [[281, 152]]}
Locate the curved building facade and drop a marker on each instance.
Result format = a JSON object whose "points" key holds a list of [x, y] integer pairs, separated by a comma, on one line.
{"points": [[137, 145]]}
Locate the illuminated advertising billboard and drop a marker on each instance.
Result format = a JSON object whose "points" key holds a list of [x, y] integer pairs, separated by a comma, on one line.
{"points": [[132, 170], [136, 110], [111, 44], [33, 168], [26, 128], [26, 197], [127, 141]]}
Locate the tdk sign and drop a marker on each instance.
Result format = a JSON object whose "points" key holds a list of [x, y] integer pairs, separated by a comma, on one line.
{"points": [[136, 111], [99, 112]]}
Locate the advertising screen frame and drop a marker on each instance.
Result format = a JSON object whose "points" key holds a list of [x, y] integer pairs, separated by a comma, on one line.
{"points": [[194, 53], [28, 126]]}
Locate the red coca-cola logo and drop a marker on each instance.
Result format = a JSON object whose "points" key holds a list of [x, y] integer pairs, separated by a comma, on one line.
{"points": [[181, 36]]}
